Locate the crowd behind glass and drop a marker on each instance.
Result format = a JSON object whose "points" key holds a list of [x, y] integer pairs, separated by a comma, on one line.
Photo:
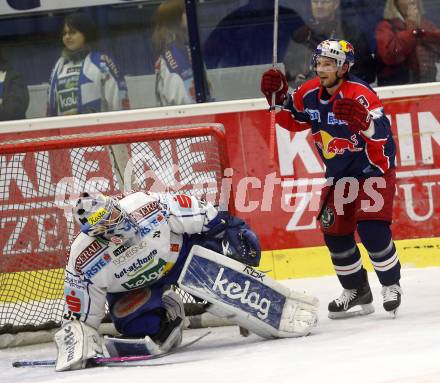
{"points": [[108, 58]]}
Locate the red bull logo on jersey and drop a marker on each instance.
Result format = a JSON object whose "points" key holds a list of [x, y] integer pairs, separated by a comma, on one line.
{"points": [[339, 145], [331, 146]]}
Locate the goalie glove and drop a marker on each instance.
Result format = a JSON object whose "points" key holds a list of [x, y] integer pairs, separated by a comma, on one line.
{"points": [[231, 236], [76, 342]]}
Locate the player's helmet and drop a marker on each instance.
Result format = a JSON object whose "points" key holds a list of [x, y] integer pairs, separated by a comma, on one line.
{"points": [[103, 216], [340, 50]]}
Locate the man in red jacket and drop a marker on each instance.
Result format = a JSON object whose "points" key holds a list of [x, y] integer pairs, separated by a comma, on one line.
{"points": [[353, 137]]}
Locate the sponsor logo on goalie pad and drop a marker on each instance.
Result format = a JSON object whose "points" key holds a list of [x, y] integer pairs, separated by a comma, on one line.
{"points": [[234, 289], [254, 273], [70, 343]]}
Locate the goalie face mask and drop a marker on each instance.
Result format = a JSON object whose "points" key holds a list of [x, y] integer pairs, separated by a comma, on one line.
{"points": [[103, 216]]}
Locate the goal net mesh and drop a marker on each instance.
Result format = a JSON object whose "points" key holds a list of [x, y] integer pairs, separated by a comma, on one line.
{"points": [[42, 177]]}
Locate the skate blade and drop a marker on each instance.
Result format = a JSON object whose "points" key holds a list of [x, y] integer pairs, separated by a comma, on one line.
{"points": [[352, 312], [393, 313]]}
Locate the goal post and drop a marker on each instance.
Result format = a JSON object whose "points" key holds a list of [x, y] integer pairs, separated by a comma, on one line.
{"points": [[42, 177]]}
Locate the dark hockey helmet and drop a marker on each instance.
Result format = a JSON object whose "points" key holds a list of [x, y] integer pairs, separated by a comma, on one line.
{"points": [[103, 216], [339, 50]]}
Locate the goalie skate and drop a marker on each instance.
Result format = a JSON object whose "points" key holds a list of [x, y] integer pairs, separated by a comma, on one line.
{"points": [[352, 302]]}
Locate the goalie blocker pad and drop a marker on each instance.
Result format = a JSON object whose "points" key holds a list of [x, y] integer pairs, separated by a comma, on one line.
{"points": [[247, 296], [76, 342]]}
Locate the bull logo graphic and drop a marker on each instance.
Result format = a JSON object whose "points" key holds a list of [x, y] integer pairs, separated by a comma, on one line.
{"points": [[339, 145], [332, 146]]}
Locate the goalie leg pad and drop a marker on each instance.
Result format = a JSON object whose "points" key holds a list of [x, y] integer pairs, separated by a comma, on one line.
{"points": [[246, 296]]}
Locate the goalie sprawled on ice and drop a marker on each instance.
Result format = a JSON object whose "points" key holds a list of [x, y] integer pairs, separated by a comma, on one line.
{"points": [[131, 251]]}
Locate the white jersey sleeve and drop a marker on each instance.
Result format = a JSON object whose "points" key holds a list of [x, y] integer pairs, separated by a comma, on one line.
{"points": [[187, 214], [83, 299]]}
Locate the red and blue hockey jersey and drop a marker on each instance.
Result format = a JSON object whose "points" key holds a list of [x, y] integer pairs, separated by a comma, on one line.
{"points": [[344, 154]]}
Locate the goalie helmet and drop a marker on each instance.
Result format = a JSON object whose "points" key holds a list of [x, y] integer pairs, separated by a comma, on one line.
{"points": [[103, 216], [339, 50]]}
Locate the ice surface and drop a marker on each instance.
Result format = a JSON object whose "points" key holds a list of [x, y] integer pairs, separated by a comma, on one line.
{"points": [[370, 349]]}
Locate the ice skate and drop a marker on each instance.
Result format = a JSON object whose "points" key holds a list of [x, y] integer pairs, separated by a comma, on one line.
{"points": [[352, 302], [392, 298]]}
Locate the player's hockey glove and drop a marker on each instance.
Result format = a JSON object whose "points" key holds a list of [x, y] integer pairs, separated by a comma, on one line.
{"points": [[274, 81], [232, 237], [354, 113]]}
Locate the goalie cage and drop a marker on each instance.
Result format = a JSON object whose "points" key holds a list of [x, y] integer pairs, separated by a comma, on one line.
{"points": [[42, 177]]}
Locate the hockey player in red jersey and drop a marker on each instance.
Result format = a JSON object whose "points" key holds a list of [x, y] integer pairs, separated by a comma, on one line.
{"points": [[354, 139]]}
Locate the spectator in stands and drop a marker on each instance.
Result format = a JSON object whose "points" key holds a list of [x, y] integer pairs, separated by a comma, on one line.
{"points": [[14, 95], [174, 73], [244, 37], [408, 45], [327, 22], [84, 80]]}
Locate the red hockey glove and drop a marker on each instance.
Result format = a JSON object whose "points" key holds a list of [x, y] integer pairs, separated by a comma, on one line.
{"points": [[354, 113], [273, 80]]}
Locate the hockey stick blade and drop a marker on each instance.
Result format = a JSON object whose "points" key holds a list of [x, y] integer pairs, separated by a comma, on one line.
{"points": [[103, 361]]}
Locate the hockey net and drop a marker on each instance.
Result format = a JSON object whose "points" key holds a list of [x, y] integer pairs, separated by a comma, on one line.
{"points": [[42, 177]]}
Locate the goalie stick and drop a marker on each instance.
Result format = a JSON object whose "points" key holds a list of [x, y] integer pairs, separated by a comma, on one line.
{"points": [[111, 361]]}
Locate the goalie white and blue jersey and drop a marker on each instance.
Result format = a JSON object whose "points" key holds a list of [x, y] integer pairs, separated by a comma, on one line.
{"points": [[97, 267]]}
